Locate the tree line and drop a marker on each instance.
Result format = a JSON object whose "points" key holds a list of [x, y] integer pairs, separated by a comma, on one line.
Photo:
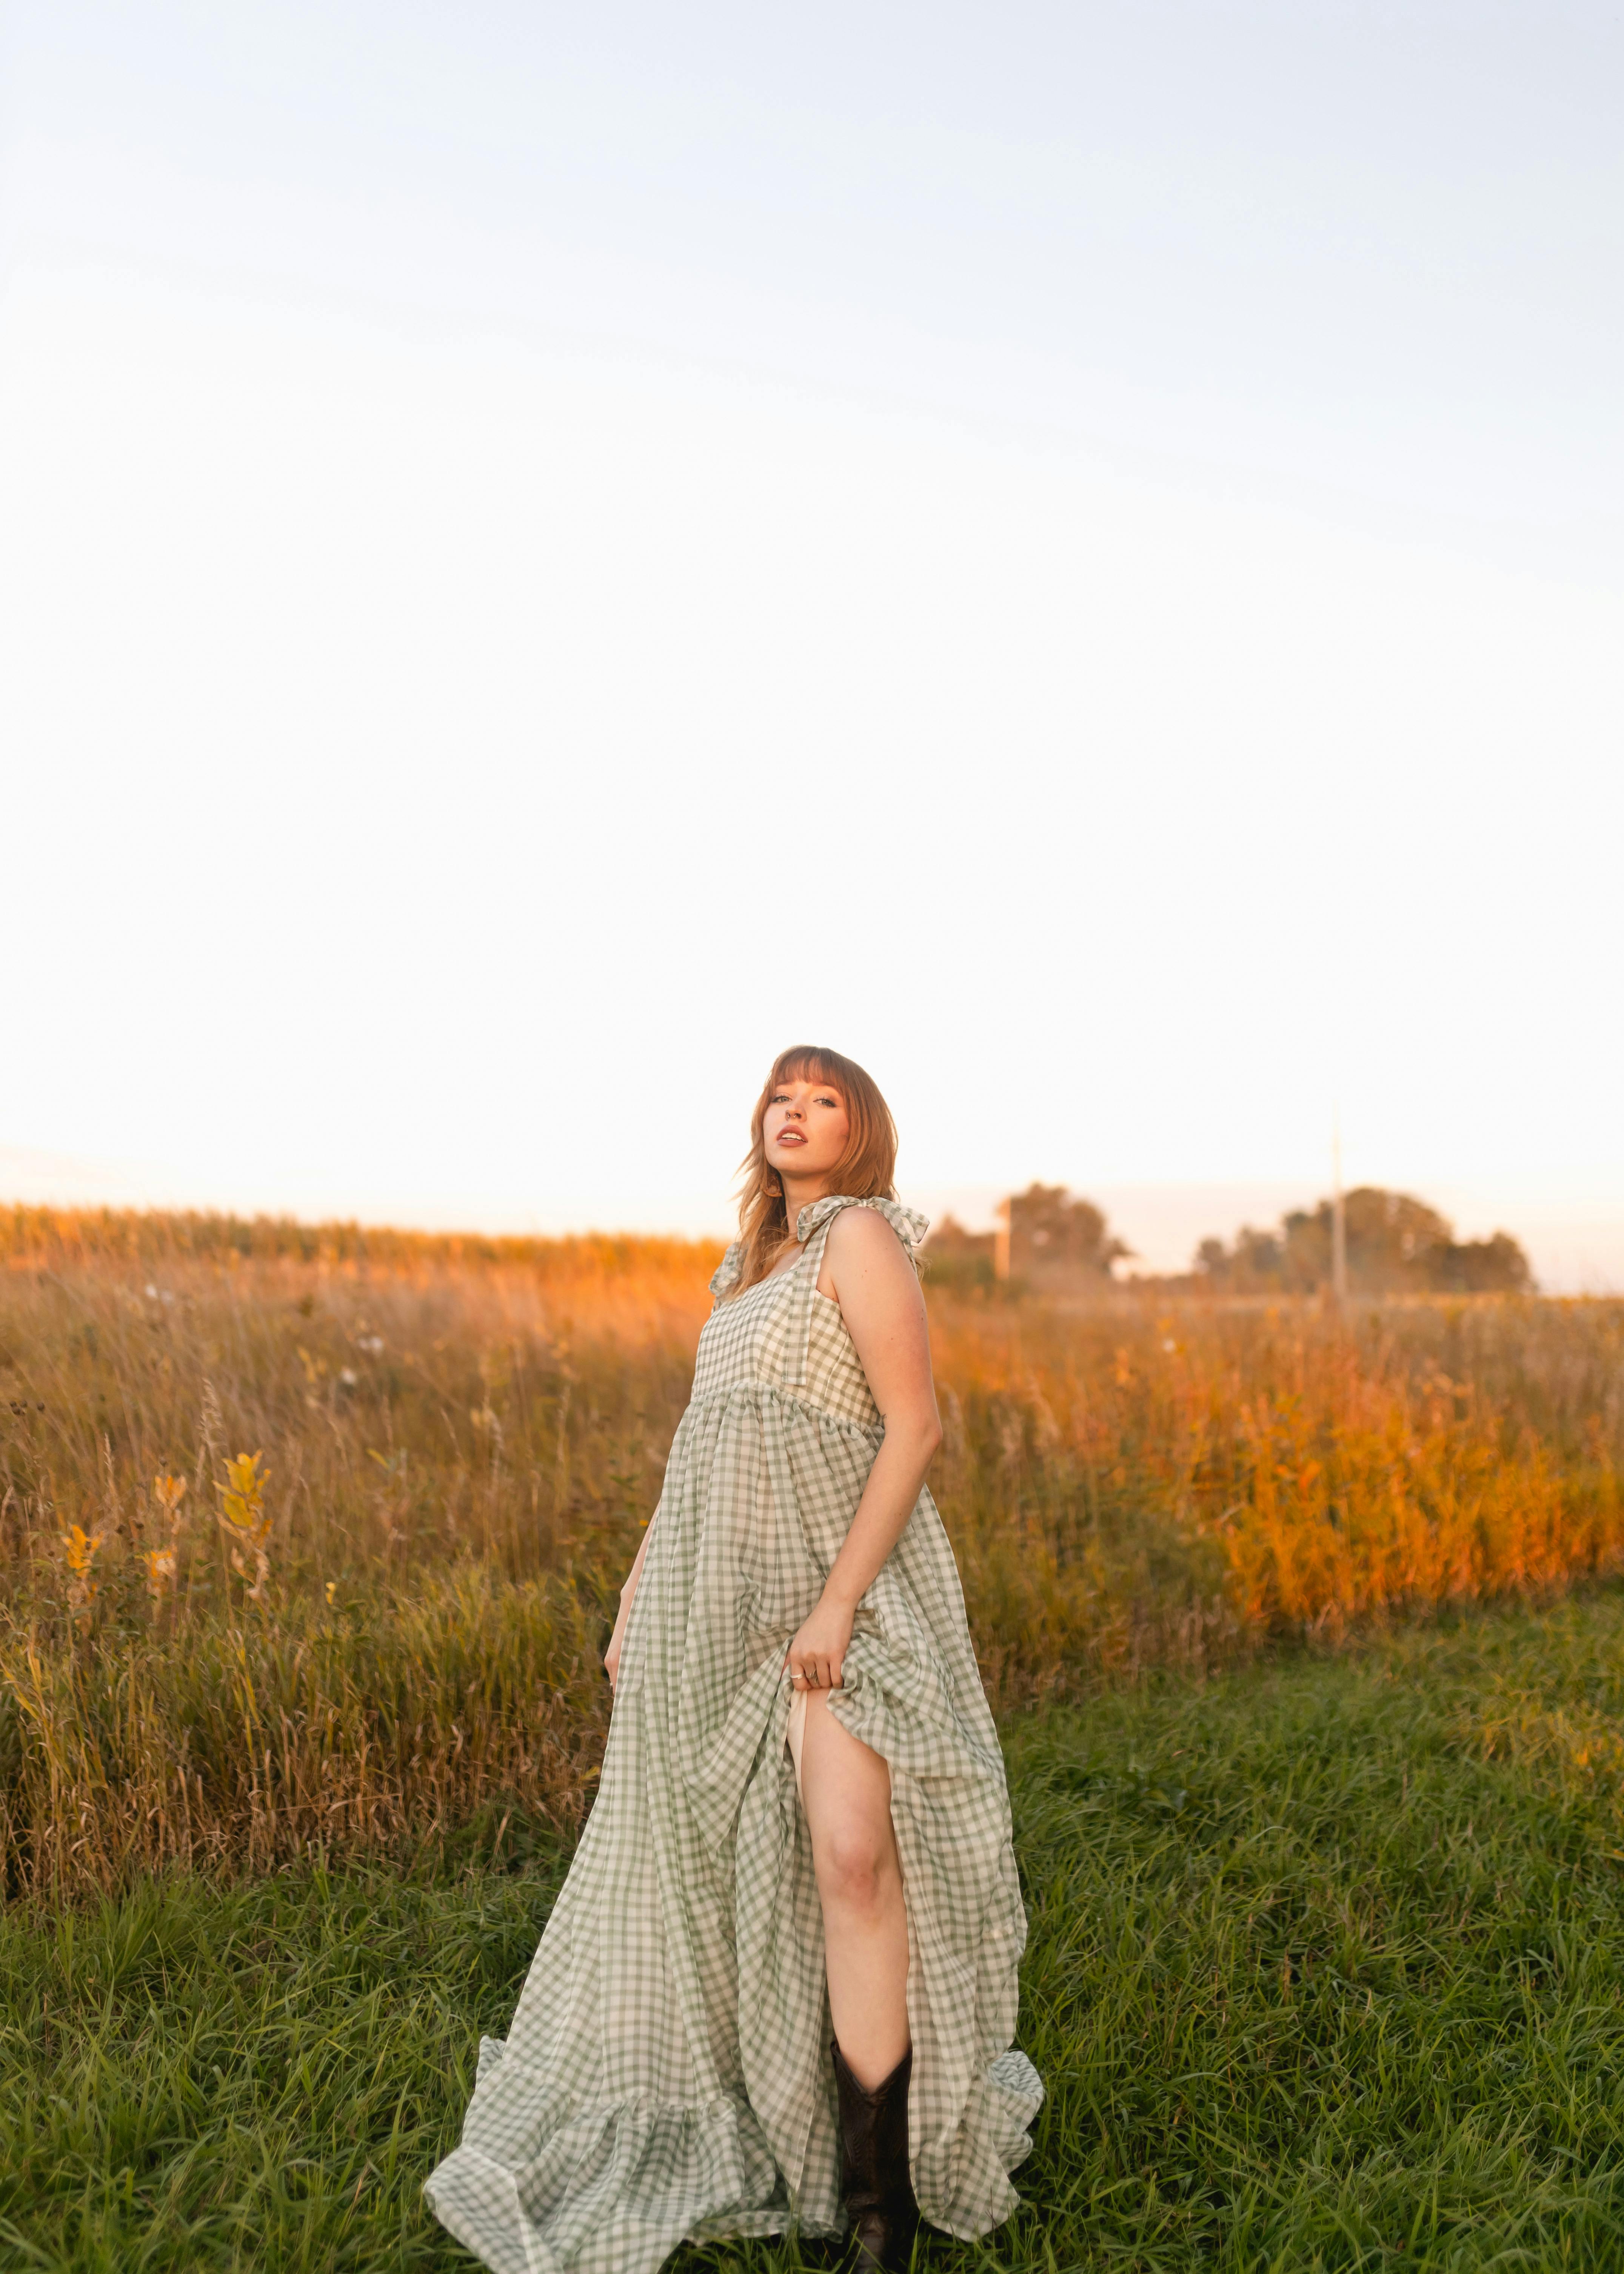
{"points": [[1396, 1244], [1050, 1240]]}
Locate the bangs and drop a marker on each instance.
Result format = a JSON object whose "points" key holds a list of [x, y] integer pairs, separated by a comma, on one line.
{"points": [[811, 1063]]}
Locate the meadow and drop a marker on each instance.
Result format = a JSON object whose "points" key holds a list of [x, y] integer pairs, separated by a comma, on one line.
{"points": [[1325, 1973], [1303, 1629], [309, 1538]]}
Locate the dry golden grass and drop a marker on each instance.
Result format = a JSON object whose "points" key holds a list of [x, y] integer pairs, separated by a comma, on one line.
{"points": [[308, 1540]]}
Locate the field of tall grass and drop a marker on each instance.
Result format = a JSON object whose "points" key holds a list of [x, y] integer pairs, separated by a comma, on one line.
{"points": [[309, 1538], [1325, 1976]]}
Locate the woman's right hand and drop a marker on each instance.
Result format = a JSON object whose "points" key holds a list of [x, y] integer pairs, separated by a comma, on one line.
{"points": [[612, 1656], [628, 1596]]}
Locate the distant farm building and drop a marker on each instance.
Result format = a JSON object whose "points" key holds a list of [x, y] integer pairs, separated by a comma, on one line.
{"points": [[1045, 1239]]}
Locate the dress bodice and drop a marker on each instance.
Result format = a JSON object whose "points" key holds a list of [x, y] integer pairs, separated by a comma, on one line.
{"points": [[784, 1332]]}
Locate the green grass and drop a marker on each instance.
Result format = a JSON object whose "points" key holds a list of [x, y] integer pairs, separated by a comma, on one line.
{"points": [[1327, 1971]]}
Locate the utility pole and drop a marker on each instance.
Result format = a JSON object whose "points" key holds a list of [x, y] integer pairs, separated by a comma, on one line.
{"points": [[1339, 1219]]}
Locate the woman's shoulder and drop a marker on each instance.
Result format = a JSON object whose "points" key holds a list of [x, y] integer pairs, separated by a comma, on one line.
{"points": [[874, 1227], [860, 1231]]}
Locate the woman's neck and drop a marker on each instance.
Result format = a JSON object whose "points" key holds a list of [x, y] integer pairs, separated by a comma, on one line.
{"points": [[800, 1192]]}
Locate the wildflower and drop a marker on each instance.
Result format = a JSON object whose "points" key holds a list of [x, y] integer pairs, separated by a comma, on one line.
{"points": [[160, 1564], [83, 1586], [373, 1343], [169, 1492], [347, 1376], [246, 1521], [81, 1547], [331, 1591]]}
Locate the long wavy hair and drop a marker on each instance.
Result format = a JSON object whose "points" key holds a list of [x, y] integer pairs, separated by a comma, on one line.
{"points": [[865, 1169]]}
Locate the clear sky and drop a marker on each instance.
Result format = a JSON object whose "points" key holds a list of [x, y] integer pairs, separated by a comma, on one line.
{"points": [[1076, 552]]}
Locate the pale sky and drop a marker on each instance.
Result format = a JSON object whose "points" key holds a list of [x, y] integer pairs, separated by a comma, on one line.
{"points": [[1074, 553]]}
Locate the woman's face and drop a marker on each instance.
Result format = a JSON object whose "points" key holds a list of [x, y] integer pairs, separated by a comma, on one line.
{"points": [[805, 1130]]}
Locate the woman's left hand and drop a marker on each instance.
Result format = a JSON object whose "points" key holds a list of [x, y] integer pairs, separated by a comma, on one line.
{"points": [[817, 1657]]}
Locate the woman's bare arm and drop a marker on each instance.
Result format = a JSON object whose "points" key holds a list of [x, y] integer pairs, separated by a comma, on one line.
{"points": [[868, 1271], [612, 1656]]}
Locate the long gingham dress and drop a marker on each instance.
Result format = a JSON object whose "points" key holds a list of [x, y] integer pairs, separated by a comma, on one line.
{"points": [[667, 2073]]}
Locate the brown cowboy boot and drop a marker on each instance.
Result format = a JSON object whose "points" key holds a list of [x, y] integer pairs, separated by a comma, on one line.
{"points": [[875, 2187]]}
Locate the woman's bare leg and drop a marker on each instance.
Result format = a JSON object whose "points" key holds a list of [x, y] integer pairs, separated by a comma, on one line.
{"points": [[846, 1790]]}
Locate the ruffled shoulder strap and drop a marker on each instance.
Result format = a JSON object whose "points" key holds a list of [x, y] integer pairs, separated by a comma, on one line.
{"points": [[909, 1226], [725, 1276], [812, 1231]]}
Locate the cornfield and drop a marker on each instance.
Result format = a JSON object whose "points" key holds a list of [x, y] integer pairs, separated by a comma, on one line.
{"points": [[309, 1540]]}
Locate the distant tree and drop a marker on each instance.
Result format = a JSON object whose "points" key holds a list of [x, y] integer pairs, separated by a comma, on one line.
{"points": [[1393, 1240], [956, 1259], [1396, 1244], [1484, 1267], [1055, 1238], [1256, 1265], [949, 1236]]}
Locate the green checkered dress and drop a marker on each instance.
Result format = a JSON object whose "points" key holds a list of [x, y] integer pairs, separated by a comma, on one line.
{"points": [[667, 2072]]}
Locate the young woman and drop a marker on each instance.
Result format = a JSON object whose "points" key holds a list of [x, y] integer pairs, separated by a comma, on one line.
{"points": [[778, 1987]]}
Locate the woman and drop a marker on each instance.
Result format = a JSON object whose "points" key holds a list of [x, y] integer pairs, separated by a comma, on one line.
{"points": [[801, 1826]]}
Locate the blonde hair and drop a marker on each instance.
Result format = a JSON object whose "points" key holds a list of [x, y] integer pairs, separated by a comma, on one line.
{"points": [[865, 1171]]}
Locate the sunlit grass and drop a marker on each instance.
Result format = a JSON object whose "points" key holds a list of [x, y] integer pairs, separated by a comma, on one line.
{"points": [[1325, 1973], [308, 1538]]}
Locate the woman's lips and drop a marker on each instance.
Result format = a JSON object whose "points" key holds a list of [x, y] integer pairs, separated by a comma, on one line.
{"points": [[789, 1137]]}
